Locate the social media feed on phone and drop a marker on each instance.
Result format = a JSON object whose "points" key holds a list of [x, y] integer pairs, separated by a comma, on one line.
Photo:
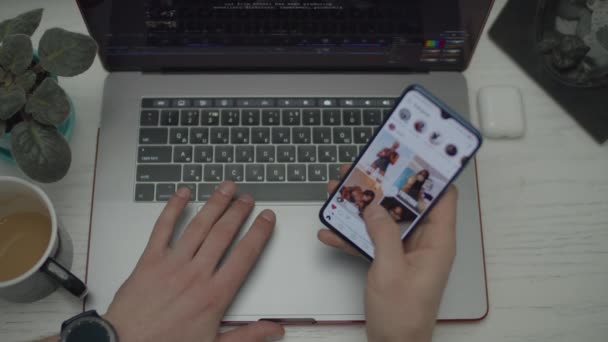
{"points": [[416, 154]]}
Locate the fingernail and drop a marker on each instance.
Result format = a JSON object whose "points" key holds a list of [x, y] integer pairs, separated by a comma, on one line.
{"points": [[274, 338], [268, 215], [246, 198], [183, 192], [226, 188]]}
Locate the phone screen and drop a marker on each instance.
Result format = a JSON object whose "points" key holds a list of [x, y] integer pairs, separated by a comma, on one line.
{"points": [[415, 155]]}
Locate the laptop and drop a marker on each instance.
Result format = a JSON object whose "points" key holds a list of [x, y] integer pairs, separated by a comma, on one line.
{"points": [[275, 96]]}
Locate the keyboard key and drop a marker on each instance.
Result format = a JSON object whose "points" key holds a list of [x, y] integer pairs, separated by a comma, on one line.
{"points": [[348, 102], [351, 117], [368, 102], [331, 117], [311, 117], [239, 135], [386, 102], [153, 135], [328, 154], [301, 135], [144, 192], [154, 154], [160, 103], [234, 172], [230, 117], [192, 188], [199, 135], [361, 148], [260, 135], [182, 154], [193, 173], [386, 113], [286, 154], [202, 103], [289, 102], [164, 191], [220, 135], [308, 103], [244, 154], [224, 154], [169, 118], [334, 171], [250, 102], [347, 153], [362, 134], [254, 173], [267, 103], [213, 173], [343, 135], [281, 135], [224, 103], [291, 117], [271, 117], [296, 173], [321, 135], [159, 173], [372, 117], [181, 103], [190, 117], [325, 102], [317, 173], [178, 136], [210, 117], [307, 154], [265, 154], [149, 118], [251, 117], [283, 192], [203, 154], [275, 173]]}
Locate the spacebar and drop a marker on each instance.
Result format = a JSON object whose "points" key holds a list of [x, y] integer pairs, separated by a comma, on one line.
{"points": [[286, 192]]}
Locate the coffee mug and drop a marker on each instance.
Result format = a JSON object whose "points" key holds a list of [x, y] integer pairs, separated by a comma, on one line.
{"points": [[35, 252]]}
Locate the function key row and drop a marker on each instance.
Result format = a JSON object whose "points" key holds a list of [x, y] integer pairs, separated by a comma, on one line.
{"points": [[265, 102], [265, 117]]}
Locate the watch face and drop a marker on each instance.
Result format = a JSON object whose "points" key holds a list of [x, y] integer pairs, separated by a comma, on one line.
{"points": [[89, 329]]}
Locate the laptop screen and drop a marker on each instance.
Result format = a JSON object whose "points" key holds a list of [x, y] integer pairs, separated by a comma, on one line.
{"points": [[408, 35]]}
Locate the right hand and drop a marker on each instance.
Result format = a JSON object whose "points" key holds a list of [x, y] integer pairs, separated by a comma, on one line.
{"points": [[406, 280]]}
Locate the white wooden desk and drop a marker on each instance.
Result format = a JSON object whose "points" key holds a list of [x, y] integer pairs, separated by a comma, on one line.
{"points": [[544, 204]]}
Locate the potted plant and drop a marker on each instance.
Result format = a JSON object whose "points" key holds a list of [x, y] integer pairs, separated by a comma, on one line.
{"points": [[32, 104]]}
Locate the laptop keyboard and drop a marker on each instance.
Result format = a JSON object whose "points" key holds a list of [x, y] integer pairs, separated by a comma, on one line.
{"points": [[277, 149]]}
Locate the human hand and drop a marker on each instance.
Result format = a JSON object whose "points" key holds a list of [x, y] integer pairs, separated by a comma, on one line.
{"points": [[406, 280], [180, 293]]}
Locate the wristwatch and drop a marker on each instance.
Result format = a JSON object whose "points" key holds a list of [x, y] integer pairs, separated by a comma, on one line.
{"points": [[87, 327]]}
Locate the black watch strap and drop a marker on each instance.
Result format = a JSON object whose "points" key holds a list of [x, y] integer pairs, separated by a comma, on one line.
{"points": [[88, 326]]}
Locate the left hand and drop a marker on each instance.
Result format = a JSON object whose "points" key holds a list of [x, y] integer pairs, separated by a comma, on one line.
{"points": [[181, 293]]}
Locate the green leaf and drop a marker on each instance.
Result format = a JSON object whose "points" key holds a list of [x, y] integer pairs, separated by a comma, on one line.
{"points": [[26, 80], [2, 128], [40, 151], [66, 53], [16, 53], [11, 101], [49, 104], [25, 23]]}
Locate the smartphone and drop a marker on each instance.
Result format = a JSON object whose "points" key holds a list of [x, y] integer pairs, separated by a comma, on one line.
{"points": [[416, 153]]}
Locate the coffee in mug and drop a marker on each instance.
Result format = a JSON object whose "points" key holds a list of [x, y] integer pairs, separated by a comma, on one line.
{"points": [[35, 253]]}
